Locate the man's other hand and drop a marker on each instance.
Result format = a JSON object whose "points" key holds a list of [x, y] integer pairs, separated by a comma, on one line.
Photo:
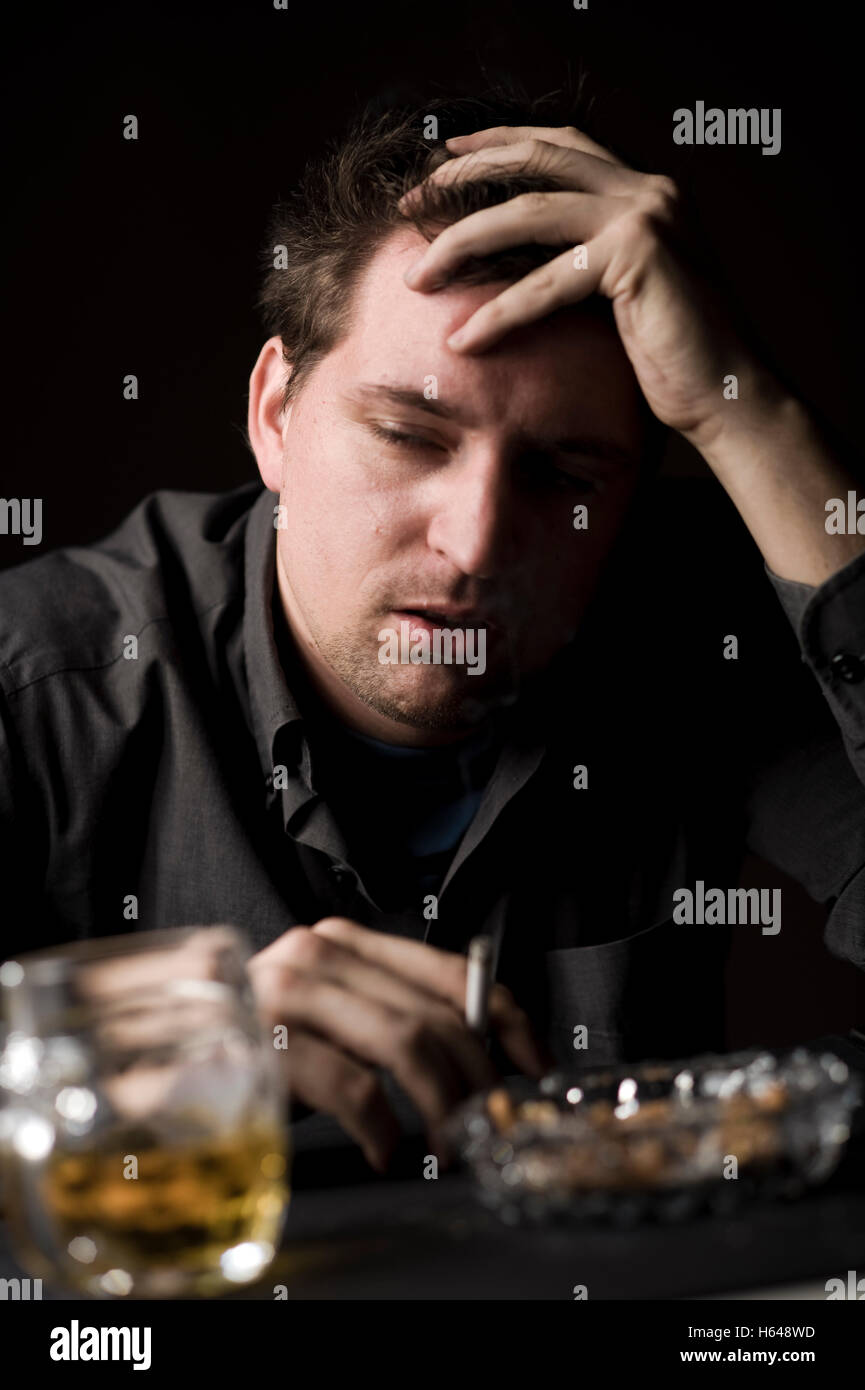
{"points": [[354, 1000]]}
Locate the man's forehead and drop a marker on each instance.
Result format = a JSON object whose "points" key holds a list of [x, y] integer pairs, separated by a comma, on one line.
{"points": [[382, 283], [569, 363]]}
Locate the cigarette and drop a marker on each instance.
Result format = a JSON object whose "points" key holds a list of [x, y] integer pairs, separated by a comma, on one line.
{"points": [[479, 978]]}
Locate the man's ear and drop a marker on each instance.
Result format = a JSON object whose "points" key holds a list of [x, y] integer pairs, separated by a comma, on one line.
{"points": [[266, 418]]}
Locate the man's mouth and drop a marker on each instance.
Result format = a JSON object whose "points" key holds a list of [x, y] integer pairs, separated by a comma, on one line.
{"points": [[429, 618]]}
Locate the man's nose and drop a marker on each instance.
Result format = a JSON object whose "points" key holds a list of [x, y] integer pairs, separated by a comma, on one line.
{"points": [[473, 519]]}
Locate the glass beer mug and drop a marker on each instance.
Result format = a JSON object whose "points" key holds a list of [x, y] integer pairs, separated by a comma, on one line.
{"points": [[143, 1135]]}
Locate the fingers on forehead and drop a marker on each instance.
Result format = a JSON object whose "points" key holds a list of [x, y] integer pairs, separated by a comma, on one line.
{"points": [[555, 135], [542, 215], [511, 152], [562, 164]]}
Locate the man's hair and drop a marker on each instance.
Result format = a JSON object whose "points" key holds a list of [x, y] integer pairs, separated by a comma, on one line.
{"points": [[323, 237]]}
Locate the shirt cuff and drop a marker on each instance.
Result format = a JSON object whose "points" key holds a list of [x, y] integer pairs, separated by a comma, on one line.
{"points": [[794, 597], [829, 620]]}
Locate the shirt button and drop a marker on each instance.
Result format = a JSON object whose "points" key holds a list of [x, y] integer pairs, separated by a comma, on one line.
{"points": [[848, 667]]}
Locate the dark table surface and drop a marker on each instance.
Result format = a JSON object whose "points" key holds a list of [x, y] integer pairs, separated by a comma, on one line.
{"points": [[350, 1235]]}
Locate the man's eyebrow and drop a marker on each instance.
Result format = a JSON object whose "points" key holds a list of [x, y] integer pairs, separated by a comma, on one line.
{"points": [[585, 445], [406, 396]]}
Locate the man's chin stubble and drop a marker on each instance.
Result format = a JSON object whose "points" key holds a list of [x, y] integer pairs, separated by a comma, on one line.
{"points": [[382, 690]]}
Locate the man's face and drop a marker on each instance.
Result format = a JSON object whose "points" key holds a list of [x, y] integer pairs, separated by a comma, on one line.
{"points": [[416, 481]]}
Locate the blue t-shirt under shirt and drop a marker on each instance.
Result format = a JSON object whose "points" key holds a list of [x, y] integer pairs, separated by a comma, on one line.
{"points": [[403, 811]]}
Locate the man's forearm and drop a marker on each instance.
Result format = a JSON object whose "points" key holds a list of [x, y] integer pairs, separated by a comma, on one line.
{"points": [[779, 471]]}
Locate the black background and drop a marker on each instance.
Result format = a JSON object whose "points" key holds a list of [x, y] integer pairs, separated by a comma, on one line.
{"points": [[142, 256]]}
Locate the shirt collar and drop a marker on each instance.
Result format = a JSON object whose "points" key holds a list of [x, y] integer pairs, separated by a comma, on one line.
{"points": [[272, 704]]}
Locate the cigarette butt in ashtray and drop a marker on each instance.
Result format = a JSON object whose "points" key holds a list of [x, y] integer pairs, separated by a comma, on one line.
{"points": [[479, 978]]}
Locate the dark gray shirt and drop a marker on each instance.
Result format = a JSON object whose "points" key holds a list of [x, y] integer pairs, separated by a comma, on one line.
{"points": [[148, 696]]}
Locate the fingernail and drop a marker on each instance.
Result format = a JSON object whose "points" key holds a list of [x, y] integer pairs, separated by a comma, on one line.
{"points": [[412, 275], [457, 339]]}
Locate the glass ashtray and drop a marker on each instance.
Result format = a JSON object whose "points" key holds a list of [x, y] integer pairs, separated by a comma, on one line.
{"points": [[657, 1139]]}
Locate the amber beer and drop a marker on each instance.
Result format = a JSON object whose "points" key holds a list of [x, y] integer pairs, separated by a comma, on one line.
{"points": [[144, 1136], [187, 1210]]}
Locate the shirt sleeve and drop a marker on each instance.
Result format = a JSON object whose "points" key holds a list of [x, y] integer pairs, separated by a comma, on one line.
{"points": [[27, 921], [13, 868], [829, 621], [794, 597], [807, 806]]}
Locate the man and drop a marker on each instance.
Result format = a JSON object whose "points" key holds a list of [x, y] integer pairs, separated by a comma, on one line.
{"points": [[461, 667]]}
